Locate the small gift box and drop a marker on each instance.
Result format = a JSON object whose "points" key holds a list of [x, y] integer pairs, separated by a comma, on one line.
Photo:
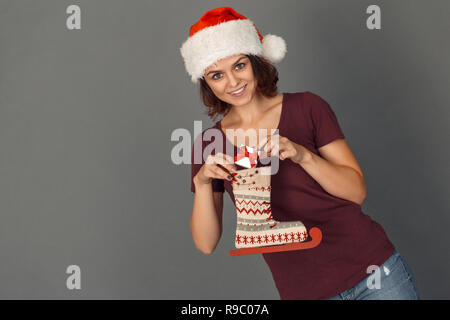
{"points": [[247, 157]]}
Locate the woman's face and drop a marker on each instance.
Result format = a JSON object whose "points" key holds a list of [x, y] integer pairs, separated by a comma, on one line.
{"points": [[229, 75]]}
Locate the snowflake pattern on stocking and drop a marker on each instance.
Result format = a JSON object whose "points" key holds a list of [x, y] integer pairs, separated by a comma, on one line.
{"points": [[256, 226]]}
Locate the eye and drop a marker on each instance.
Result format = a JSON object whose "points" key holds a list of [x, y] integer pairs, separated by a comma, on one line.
{"points": [[239, 64]]}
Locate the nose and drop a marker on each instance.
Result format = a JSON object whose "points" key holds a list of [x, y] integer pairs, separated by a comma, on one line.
{"points": [[233, 80]]}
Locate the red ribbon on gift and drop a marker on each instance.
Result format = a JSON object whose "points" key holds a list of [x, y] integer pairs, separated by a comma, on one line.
{"points": [[244, 153]]}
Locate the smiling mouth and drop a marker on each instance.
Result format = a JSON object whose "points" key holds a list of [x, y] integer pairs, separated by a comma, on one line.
{"points": [[239, 90]]}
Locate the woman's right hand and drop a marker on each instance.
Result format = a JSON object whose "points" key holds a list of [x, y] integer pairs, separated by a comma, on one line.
{"points": [[213, 168]]}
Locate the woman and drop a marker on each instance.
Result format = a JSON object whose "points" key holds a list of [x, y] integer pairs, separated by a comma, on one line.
{"points": [[319, 181]]}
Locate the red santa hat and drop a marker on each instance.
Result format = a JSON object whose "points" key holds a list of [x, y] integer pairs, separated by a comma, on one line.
{"points": [[221, 33]]}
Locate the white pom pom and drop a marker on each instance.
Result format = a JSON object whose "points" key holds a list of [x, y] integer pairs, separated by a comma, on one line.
{"points": [[274, 48]]}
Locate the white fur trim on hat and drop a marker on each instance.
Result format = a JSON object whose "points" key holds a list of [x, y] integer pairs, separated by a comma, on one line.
{"points": [[223, 40]]}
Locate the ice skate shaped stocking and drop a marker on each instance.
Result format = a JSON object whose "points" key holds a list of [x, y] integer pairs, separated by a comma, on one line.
{"points": [[256, 230]]}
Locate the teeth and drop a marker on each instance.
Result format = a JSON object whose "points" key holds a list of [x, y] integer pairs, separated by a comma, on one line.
{"points": [[239, 91]]}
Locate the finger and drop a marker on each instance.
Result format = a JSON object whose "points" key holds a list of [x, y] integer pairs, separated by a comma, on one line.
{"points": [[284, 147], [271, 141], [214, 172], [262, 142], [285, 154], [227, 162], [265, 140], [210, 159], [274, 152], [220, 173], [224, 159], [228, 168], [266, 148], [275, 140], [271, 145], [229, 159]]}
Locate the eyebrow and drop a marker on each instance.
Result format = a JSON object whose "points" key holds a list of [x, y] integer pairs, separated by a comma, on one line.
{"points": [[233, 64]]}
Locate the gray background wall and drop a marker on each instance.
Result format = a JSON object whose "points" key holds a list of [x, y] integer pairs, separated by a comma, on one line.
{"points": [[86, 117]]}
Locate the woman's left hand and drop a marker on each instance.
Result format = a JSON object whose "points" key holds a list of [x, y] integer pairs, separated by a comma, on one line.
{"points": [[284, 148]]}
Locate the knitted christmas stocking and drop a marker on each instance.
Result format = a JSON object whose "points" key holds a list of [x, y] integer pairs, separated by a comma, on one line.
{"points": [[255, 224]]}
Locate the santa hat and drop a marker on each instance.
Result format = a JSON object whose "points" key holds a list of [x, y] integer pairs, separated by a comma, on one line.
{"points": [[221, 33]]}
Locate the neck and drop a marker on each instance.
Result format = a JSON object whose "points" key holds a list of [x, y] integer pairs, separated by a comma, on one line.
{"points": [[248, 114]]}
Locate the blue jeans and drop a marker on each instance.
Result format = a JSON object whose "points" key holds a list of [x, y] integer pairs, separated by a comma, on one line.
{"points": [[393, 280]]}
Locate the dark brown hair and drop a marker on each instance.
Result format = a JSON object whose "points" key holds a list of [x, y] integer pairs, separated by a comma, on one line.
{"points": [[266, 76]]}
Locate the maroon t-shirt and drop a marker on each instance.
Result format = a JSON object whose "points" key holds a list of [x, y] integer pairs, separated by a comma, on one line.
{"points": [[351, 242]]}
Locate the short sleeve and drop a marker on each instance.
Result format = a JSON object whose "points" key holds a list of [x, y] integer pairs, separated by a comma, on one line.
{"points": [[217, 184], [325, 124]]}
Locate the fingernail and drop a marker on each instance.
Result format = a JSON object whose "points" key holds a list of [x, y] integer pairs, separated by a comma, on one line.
{"points": [[229, 177]]}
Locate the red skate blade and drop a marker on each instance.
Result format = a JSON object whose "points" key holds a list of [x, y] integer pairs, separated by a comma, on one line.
{"points": [[315, 234]]}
